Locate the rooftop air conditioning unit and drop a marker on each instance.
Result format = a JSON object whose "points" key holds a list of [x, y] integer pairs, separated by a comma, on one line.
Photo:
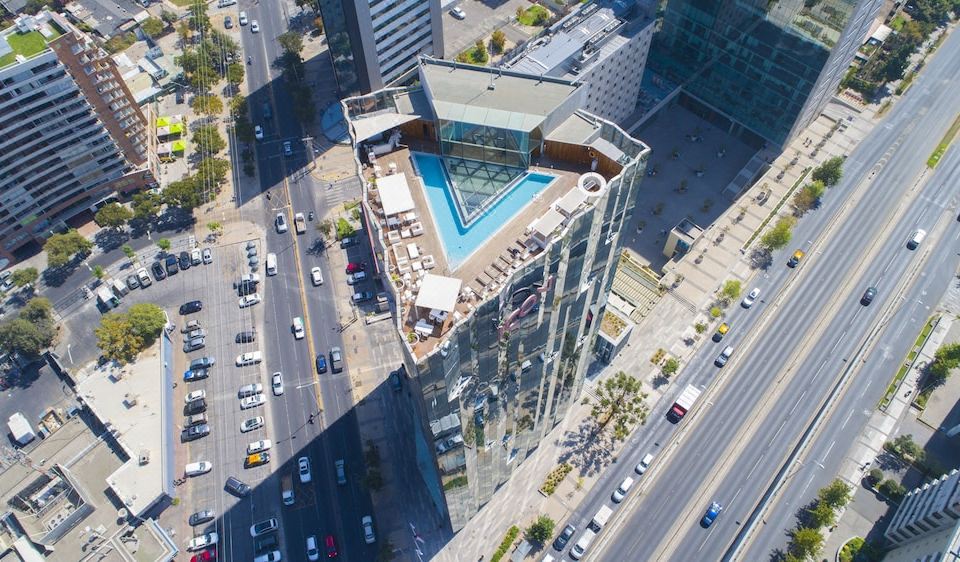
{"points": [[144, 457]]}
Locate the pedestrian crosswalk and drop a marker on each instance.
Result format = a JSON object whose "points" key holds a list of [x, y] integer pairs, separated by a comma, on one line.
{"points": [[337, 192]]}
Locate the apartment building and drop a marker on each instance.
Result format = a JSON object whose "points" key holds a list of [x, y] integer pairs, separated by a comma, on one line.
{"points": [[374, 43], [71, 134], [603, 45], [495, 208]]}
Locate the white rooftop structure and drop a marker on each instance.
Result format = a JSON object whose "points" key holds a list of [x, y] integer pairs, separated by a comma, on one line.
{"points": [[134, 403], [395, 194], [571, 201], [545, 225], [439, 293]]}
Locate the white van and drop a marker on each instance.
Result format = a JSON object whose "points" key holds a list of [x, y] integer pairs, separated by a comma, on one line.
{"points": [[271, 264], [916, 239], [622, 490], [583, 544]]}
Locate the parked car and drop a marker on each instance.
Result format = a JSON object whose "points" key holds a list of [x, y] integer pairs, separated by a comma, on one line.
{"points": [[396, 381], [133, 282], [185, 261], [194, 345], [198, 333], [313, 553], [724, 356], [336, 359], [228, 22], [202, 363], [198, 468], [259, 446], [458, 13], [362, 296], [249, 358], [644, 464], [171, 263], [252, 401], [354, 267], [195, 395], [144, 278], [564, 537], [281, 223], [255, 460], [195, 419], [237, 487], [251, 424], [347, 242], [264, 527], [357, 277], [303, 468], [249, 300], [193, 375], [287, 149], [367, 523], [207, 256], [189, 326], [191, 307], [194, 433], [195, 407], [201, 517], [158, 272], [196, 258], [203, 541]]}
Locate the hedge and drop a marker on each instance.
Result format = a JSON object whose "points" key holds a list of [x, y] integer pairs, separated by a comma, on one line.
{"points": [[512, 534]]}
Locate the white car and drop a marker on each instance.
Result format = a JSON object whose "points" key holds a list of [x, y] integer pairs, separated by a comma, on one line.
{"points": [[207, 256], [198, 468], [243, 18], [751, 298], [458, 13], [298, 332], [303, 464], [144, 277], [255, 26], [249, 300], [313, 553], [354, 278], [281, 222], [194, 396], [203, 541], [196, 258], [272, 556], [251, 424], [368, 536], [252, 401], [258, 446], [258, 132], [264, 527], [277, 383], [249, 358], [317, 276]]}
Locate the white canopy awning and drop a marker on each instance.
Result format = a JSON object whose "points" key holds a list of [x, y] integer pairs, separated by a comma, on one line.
{"points": [[549, 222], [439, 292], [395, 194], [571, 201]]}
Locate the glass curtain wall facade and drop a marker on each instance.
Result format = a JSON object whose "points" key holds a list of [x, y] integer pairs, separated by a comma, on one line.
{"points": [[759, 61], [493, 393], [342, 32]]}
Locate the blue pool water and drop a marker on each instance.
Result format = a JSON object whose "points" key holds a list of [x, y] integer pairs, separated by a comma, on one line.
{"points": [[460, 241]]}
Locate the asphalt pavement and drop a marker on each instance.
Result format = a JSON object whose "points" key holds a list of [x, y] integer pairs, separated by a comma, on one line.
{"points": [[734, 442]]}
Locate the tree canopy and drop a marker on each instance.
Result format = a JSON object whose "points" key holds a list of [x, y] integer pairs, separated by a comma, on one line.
{"points": [[620, 401], [113, 215], [32, 331], [24, 276], [61, 248], [780, 235], [541, 530]]}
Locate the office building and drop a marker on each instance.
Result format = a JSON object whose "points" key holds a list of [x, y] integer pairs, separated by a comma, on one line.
{"points": [[71, 134], [931, 508], [603, 45], [374, 43], [495, 207], [765, 70]]}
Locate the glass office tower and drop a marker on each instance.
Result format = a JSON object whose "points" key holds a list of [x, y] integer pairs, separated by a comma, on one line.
{"points": [[769, 66]]}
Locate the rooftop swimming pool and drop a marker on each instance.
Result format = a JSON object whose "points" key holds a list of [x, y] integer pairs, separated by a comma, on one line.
{"points": [[460, 241]]}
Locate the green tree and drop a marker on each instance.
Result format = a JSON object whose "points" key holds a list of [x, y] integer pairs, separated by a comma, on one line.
{"points": [[168, 17], [875, 476], [207, 104], [215, 227], [344, 228], [24, 276], [146, 320], [98, 271], [779, 236], [291, 41], [822, 515], [480, 51], [211, 172], [152, 26], [620, 401], [325, 226], [238, 106], [670, 367], [198, 19], [116, 338], [805, 543], [208, 140], [892, 489], [731, 291], [829, 172], [235, 73], [808, 197], [906, 446], [836, 494], [185, 194], [20, 336], [113, 215], [61, 248], [163, 244], [146, 205], [497, 41], [541, 530], [184, 33], [128, 251]]}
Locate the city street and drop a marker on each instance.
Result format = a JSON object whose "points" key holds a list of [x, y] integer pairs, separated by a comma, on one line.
{"points": [[801, 346]]}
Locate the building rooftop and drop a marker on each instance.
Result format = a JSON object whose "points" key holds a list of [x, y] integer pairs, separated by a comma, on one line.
{"points": [[486, 96], [106, 16], [27, 37], [134, 402]]}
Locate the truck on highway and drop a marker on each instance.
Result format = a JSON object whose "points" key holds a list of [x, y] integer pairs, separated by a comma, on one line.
{"points": [[600, 519], [286, 489], [299, 223], [683, 403]]}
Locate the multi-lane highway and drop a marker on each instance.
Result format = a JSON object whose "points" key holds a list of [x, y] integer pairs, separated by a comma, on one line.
{"points": [[792, 347], [323, 507]]}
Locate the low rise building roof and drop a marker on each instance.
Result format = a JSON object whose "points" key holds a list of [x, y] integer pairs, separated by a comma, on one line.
{"points": [[394, 194], [439, 293]]}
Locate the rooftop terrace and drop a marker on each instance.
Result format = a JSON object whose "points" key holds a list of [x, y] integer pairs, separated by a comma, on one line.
{"points": [[28, 37]]}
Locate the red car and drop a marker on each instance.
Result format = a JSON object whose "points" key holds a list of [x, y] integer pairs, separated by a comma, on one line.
{"points": [[331, 546], [207, 555], [355, 267]]}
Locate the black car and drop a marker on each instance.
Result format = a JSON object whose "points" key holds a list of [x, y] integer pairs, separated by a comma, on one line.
{"points": [[868, 295], [246, 288], [185, 260], [246, 337], [191, 307], [195, 432], [266, 543], [561, 541], [195, 407], [347, 242], [172, 267], [236, 487], [201, 517], [202, 363], [179, 94], [158, 273]]}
